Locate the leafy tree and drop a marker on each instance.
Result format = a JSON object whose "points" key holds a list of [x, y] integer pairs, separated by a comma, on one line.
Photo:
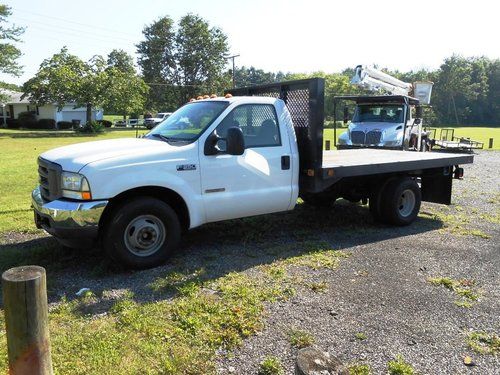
{"points": [[9, 53], [126, 92], [179, 63], [252, 76], [121, 60], [64, 78]]}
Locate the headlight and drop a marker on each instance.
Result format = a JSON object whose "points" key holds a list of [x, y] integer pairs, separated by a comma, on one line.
{"points": [[75, 186]]}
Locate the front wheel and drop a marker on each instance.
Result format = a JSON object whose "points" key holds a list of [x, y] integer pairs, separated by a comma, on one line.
{"points": [[142, 233], [400, 201]]}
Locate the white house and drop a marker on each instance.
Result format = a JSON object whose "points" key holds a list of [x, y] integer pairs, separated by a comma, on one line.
{"points": [[15, 105]]}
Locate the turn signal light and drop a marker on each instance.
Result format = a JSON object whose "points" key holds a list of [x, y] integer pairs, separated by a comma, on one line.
{"points": [[86, 195]]}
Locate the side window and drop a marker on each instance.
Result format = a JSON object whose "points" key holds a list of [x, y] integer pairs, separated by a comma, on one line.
{"points": [[258, 123]]}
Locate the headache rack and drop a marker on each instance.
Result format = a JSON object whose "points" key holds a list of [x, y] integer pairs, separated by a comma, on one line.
{"points": [[305, 100]]}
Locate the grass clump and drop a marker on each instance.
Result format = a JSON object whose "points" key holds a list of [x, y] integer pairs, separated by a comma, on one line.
{"points": [[361, 336], [319, 256], [299, 338], [271, 366], [318, 287], [484, 343], [359, 369], [462, 288], [399, 366]]}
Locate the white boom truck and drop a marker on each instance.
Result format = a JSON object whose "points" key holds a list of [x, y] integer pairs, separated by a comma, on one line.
{"points": [[386, 121], [251, 153]]}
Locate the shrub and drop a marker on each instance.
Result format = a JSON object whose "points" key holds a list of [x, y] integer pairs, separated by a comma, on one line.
{"points": [[271, 366], [27, 120], [91, 127], [105, 123], [46, 123], [62, 125], [12, 123]]}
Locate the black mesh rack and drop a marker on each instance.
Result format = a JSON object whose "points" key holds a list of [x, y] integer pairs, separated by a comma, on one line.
{"points": [[305, 101]]}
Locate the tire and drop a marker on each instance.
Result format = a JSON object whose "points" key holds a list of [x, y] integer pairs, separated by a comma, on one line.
{"points": [[142, 233], [400, 201]]}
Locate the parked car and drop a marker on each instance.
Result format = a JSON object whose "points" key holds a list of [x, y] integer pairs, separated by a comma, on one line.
{"points": [[151, 122]]}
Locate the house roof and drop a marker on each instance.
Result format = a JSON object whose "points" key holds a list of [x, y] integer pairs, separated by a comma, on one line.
{"points": [[14, 97]]}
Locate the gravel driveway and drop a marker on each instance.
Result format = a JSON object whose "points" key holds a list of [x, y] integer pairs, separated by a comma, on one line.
{"points": [[382, 291], [377, 304]]}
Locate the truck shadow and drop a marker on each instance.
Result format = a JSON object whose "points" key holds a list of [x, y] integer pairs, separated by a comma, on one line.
{"points": [[207, 253]]}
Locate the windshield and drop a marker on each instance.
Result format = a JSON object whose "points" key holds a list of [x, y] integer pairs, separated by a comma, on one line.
{"points": [[189, 121], [378, 113]]}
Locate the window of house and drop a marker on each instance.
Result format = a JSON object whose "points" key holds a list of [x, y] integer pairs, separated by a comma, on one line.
{"points": [[33, 109], [258, 123]]}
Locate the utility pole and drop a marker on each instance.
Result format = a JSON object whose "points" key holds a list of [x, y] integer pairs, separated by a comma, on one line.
{"points": [[233, 57]]}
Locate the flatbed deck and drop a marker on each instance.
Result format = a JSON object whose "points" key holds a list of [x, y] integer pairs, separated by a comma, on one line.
{"points": [[361, 162]]}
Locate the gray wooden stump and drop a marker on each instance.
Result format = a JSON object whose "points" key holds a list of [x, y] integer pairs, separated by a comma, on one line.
{"points": [[26, 320]]}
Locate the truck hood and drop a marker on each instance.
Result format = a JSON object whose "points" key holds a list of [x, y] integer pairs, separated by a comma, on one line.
{"points": [[369, 126], [74, 157]]}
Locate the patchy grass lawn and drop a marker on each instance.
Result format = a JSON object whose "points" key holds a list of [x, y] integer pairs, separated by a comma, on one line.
{"points": [[179, 332]]}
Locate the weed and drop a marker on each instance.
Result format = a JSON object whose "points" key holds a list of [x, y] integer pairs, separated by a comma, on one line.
{"points": [[399, 366], [361, 336], [319, 287], [359, 369], [484, 343], [299, 338], [463, 288], [271, 366]]}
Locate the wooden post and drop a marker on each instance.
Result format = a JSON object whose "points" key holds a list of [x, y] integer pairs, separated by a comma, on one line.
{"points": [[327, 144], [491, 143], [26, 320]]}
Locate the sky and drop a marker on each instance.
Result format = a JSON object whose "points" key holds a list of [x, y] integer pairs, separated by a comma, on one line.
{"points": [[274, 35]]}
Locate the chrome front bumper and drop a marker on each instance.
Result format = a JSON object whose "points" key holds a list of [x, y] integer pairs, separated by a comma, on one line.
{"points": [[67, 219]]}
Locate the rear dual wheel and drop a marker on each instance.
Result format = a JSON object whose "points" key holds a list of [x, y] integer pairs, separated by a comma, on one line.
{"points": [[397, 202]]}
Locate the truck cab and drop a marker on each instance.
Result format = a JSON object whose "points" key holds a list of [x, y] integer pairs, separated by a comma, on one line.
{"points": [[381, 121]]}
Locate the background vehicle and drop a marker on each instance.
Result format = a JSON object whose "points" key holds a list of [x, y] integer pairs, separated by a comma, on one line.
{"points": [[151, 122], [386, 121], [248, 154]]}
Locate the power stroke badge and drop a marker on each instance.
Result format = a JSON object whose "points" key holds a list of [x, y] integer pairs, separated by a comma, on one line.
{"points": [[186, 167]]}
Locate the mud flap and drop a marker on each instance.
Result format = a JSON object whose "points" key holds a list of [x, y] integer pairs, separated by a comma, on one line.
{"points": [[436, 185]]}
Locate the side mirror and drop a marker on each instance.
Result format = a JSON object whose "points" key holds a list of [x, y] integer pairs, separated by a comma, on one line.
{"points": [[346, 115], [235, 143]]}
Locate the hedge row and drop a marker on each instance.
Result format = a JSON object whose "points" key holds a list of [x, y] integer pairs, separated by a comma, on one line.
{"points": [[28, 120]]}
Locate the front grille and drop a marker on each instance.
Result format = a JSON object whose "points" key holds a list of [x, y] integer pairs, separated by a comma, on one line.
{"points": [[362, 138], [358, 137], [373, 138], [49, 178]]}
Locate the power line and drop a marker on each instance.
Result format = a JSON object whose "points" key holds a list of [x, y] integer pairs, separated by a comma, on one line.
{"points": [[71, 22], [57, 28]]}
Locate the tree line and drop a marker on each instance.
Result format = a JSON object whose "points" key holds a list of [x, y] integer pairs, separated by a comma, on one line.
{"points": [[179, 61]]}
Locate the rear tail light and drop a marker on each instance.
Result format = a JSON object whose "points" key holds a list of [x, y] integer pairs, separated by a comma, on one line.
{"points": [[459, 173]]}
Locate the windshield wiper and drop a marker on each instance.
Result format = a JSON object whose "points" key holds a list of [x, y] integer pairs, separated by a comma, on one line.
{"points": [[161, 136]]}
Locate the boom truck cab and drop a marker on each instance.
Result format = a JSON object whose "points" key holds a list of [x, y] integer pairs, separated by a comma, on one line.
{"points": [[252, 152], [393, 120]]}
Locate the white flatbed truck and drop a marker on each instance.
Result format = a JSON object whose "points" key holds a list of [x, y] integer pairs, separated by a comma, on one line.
{"points": [[252, 152]]}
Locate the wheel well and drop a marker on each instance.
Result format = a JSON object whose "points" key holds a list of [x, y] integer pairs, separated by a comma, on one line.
{"points": [[168, 196]]}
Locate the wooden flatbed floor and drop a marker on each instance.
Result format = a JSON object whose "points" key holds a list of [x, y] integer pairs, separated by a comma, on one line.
{"points": [[359, 162]]}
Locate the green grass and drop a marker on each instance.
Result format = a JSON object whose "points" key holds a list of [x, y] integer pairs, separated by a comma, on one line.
{"points": [[484, 343], [271, 366], [299, 338], [481, 134], [361, 336], [399, 366], [464, 289], [359, 369]]}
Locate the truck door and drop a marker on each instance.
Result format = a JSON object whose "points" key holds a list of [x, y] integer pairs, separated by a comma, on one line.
{"points": [[257, 182]]}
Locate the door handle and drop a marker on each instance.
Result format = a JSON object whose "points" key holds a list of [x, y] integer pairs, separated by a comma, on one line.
{"points": [[285, 162]]}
